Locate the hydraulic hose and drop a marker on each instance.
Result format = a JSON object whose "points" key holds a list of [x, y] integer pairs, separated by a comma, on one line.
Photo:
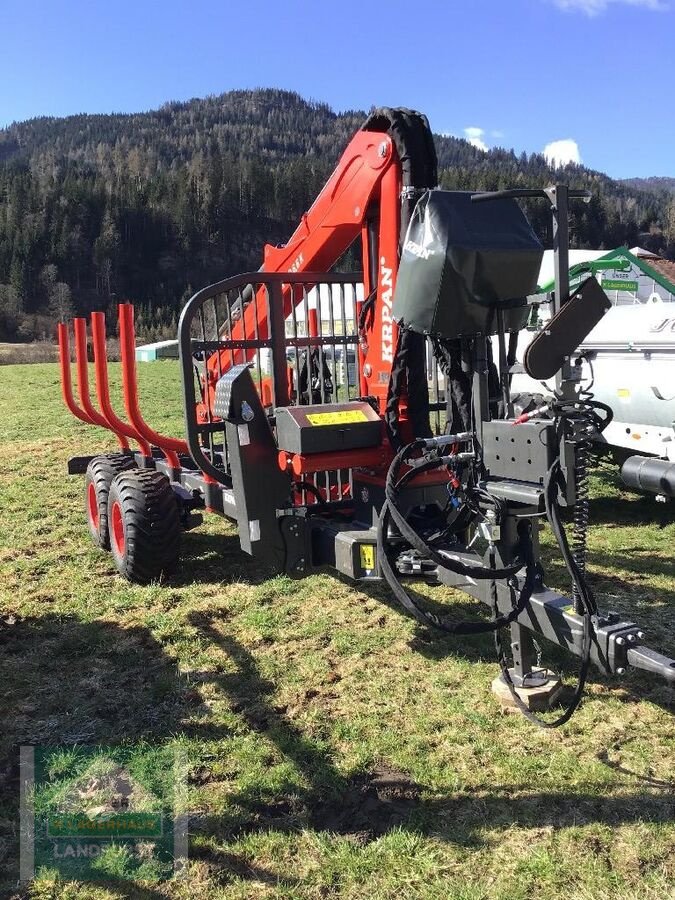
{"points": [[418, 543], [404, 598], [391, 513]]}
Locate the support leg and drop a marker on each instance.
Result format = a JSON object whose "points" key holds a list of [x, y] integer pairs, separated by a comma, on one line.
{"points": [[538, 688]]}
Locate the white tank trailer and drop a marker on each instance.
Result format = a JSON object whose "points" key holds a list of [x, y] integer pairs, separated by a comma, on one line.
{"points": [[630, 357], [632, 352]]}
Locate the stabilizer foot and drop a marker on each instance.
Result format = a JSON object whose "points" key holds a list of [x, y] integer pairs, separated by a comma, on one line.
{"points": [[540, 697]]}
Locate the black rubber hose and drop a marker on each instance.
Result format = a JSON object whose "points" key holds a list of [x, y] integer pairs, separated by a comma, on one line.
{"points": [[609, 414], [418, 543], [410, 604], [367, 308]]}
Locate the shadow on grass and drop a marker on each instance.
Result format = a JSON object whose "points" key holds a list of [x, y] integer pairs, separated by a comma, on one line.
{"points": [[68, 682], [367, 805], [213, 558], [621, 511], [208, 557]]}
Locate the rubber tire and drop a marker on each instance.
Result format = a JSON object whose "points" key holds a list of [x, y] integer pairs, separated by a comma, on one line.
{"points": [[100, 474], [150, 521]]}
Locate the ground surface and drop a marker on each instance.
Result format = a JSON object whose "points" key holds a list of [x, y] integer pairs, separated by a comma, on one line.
{"points": [[335, 748]]}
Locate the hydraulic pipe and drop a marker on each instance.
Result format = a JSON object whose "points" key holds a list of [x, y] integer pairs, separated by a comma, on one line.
{"points": [[169, 446], [103, 387], [80, 328]]}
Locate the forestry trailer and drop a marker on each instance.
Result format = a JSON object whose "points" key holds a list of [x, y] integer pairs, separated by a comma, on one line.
{"points": [[359, 421]]}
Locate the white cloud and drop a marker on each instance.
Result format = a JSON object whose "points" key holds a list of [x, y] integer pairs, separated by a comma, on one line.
{"points": [[560, 153], [596, 7], [474, 136]]}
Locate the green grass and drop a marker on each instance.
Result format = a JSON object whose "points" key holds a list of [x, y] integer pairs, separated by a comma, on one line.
{"points": [[335, 748]]}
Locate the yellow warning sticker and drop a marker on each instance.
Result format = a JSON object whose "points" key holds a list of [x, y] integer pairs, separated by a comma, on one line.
{"points": [[623, 392], [569, 609], [342, 417], [367, 556]]}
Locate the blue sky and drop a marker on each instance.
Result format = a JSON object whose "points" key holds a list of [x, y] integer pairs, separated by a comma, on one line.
{"points": [[518, 73]]}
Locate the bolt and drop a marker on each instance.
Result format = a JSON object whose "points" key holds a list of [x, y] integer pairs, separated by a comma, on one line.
{"points": [[631, 638], [382, 149], [641, 635], [620, 671], [620, 641]]}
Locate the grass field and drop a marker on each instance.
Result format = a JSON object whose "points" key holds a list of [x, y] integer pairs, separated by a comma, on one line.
{"points": [[335, 748]]}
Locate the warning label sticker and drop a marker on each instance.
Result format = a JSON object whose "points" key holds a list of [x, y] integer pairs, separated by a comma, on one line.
{"points": [[367, 556], [341, 417]]}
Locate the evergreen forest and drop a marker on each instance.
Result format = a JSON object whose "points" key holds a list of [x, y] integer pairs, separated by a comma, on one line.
{"points": [[152, 206]]}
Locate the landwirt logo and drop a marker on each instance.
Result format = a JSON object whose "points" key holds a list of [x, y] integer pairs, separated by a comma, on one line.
{"points": [[104, 813], [418, 250], [386, 296]]}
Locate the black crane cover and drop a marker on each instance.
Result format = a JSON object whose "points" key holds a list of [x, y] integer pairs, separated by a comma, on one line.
{"points": [[460, 261]]}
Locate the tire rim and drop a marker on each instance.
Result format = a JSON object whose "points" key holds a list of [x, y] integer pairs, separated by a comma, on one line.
{"points": [[117, 528], [92, 505]]}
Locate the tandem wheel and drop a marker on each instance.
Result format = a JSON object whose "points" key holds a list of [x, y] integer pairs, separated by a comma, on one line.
{"points": [[99, 476], [144, 525]]}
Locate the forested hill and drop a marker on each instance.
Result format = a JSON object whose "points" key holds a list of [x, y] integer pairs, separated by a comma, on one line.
{"points": [[152, 206], [658, 185]]}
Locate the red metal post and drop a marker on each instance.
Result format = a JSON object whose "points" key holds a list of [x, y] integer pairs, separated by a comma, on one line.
{"points": [[378, 359], [313, 324], [169, 446], [66, 383], [80, 328], [103, 388]]}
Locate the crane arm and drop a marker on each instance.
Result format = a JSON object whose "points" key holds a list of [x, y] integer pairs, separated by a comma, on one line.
{"points": [[364, 187]]}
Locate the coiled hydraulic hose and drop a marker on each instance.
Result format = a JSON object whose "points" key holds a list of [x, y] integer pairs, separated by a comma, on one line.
{"points": [[391, 512], [581, 420], [582, 413], [582, 457], [582, 417]]}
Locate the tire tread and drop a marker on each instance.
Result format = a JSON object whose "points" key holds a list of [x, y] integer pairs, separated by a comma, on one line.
{"points": [[101, 471], [151, 524]]}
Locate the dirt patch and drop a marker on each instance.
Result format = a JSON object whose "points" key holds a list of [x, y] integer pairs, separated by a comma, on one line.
{"points": [[372, 805]]}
